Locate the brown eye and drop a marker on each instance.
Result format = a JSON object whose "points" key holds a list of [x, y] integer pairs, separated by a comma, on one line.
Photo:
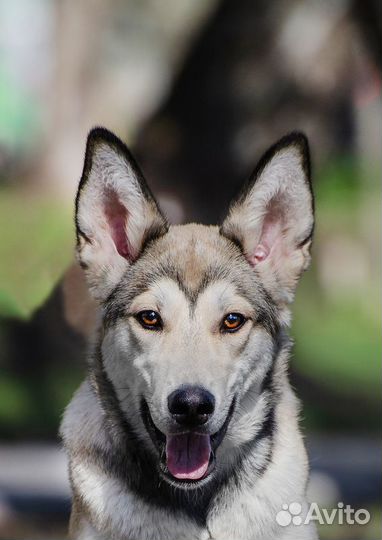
{"points": [[232, 322], [149, 319]]}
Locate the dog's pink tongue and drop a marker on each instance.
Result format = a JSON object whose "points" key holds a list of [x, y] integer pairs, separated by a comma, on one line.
{"points": [[188, 455]]}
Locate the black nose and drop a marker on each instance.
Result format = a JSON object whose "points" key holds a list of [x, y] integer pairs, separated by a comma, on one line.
{"points": [[191, 406]]}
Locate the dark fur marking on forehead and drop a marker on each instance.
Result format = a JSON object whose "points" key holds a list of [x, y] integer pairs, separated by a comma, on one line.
{"points": [[122, 296], [212, 274], [138, 280], [119, 300]]}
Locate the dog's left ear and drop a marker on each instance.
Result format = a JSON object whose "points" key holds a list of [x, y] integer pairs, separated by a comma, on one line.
{"points": [[116, 214], [273, 217]]}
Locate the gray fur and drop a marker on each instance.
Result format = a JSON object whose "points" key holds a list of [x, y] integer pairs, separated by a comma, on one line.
{"points": [[192, 275]]}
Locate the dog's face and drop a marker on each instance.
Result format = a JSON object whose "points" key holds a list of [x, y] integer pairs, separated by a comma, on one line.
{"points": [[191, 313]]}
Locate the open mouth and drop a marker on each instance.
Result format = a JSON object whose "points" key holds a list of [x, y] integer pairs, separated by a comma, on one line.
{"points": [[188, 457]]}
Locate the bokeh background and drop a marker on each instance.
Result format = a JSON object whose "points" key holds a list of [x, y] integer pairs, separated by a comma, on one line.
{"points": [[198, 89]]}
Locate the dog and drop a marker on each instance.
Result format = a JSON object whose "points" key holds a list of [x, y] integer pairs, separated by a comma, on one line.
{"points": [[186, 426]]}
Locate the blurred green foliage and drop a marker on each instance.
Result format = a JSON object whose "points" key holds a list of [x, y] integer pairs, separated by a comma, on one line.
{"points": [[19, 112], [338, 344], [36, 245], [34, 406]]}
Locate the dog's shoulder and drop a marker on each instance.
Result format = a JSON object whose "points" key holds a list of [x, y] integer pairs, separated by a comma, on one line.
{"points": [[82, 418]]}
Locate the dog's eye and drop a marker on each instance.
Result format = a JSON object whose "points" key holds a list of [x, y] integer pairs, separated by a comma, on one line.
{"points": [[232, 322], [149, 319]]}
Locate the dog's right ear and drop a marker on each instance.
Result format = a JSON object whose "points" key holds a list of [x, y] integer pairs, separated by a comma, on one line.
{"points": [[116, 214]]}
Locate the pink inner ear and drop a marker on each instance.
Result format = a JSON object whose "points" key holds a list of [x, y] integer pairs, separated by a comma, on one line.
{"points": [[260, 254], [271, 233], [116, 215]]}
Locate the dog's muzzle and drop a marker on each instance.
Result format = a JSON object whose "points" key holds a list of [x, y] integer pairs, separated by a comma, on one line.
{"points": [[187, 458]]}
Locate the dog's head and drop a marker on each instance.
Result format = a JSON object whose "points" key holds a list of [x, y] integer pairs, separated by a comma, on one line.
{"points": [[191, 313]]}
